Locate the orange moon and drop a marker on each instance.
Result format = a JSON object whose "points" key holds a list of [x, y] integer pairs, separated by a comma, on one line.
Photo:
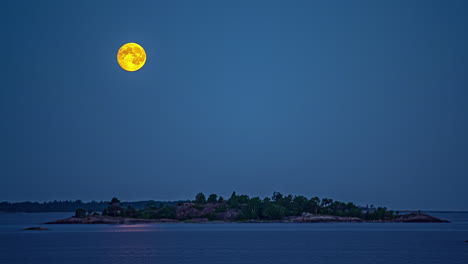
{"points": [[131, 57]]}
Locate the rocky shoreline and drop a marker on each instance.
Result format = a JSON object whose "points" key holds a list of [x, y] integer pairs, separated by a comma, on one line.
{"points": [[304, 218], [100, 219]]}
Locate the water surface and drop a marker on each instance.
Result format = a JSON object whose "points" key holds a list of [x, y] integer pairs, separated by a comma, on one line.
{"points": [[232, 243]]}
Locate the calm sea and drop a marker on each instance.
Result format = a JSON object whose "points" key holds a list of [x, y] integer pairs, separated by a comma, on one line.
{"points": [[232, 243]]}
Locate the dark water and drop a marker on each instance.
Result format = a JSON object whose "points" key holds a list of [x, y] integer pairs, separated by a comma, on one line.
{"points": [[232, 243]]}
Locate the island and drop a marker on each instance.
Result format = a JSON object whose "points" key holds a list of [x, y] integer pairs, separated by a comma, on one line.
{"points": [[242, 208], [36, 228]]}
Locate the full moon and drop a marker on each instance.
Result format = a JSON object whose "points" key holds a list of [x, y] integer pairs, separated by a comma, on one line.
{"points": [[131, 57]]}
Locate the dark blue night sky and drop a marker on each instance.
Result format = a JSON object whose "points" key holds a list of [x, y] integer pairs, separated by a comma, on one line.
{"points": [[362, 101]]}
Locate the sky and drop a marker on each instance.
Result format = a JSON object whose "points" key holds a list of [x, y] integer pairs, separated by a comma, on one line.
{"points": [[362, 101]]}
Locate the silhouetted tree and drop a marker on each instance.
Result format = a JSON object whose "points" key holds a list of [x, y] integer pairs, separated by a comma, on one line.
{"points": [[314, 204], [131, 212], [299, 204], [213, 198], [274, 211], [200, 198], [243, 199], [114, 208], [276, 197], [253, 209], [234, 200], [80, 213]]}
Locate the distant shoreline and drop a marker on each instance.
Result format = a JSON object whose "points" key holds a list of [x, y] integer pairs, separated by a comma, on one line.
{"points": [[58, 212], [71, 206]]}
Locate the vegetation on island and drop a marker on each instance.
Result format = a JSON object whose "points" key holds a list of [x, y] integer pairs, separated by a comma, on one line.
{"points": [[243, 207]]}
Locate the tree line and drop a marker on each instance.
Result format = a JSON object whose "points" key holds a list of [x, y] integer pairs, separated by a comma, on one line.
{"points": [[67, 206], [276, 207]]}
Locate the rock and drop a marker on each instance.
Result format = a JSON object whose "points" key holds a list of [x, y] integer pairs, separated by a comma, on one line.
{"points": [[417, 217], [230, 215], [36, 228], [408, 218], [197, 220], [311, 218]]}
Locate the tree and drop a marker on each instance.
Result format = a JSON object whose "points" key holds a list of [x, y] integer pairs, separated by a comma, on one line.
{"points": [[325, 204], [253, 209], [314, 205], [80, 213], [115, 201], [166, 212], [277, 196], [131, 212], [234, 200], [243, 199], [213, 198], [298, 205], [274, 212], [221, 199], [286, 201], [150, 206], [200, 198], [105, 212], [114, 208]]}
